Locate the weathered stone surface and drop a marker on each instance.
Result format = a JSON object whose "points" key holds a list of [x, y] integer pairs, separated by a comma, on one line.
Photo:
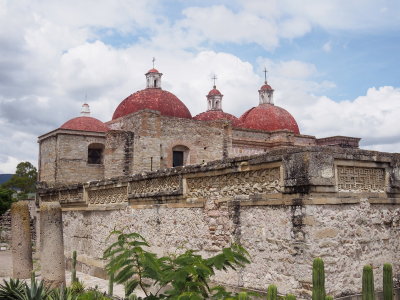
{"points": [[285, 218], [52, 244], [21, 240]]}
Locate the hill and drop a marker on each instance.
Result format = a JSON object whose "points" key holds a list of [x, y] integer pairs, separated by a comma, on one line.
{"points": [[5, 177]]}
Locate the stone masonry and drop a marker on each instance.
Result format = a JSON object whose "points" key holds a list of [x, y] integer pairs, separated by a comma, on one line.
{"points": [[285, 207]]}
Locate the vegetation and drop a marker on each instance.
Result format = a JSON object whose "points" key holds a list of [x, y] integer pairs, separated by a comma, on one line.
{"points": [[387, 282], [184, 276], [368, 292], [73, 271], [24, 180], [272, 292], [318, 280], [5, 199], [290, 297]]}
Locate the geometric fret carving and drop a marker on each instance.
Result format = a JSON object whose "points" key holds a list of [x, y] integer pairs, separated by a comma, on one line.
{"points": [[162, 186], [108, 195], [71, 196], [360, 179], [240, 183]]}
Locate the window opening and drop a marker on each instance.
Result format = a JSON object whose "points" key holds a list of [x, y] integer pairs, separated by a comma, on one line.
{"points": [[95, 154], [177, 159]]}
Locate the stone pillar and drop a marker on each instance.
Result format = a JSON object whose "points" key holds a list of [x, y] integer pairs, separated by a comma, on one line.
{"points": [[52, 244], [21, 241]]}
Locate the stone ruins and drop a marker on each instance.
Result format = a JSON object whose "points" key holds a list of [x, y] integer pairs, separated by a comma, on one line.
{"points": [[183, 182]]}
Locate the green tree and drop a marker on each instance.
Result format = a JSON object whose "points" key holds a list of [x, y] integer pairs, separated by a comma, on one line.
{"points": [[5, 199], [184, 276], [24, 179]]}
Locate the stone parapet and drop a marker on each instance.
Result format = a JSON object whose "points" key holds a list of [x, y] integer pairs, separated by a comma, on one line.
{"points": [[333, 173]]}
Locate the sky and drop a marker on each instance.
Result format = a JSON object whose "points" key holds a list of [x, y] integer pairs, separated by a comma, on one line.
{"points": [[334, 65]]}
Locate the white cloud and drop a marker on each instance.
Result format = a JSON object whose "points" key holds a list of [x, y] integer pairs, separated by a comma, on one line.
{"points": [[327, 47], [9, 165], [51, 55]]}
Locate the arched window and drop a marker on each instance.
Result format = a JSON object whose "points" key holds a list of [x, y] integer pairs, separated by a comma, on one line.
{"points": [[95, 154], [180, 155]]}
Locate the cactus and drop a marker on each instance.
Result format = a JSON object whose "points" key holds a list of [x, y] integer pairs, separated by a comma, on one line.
{"points": [[73, 271], [111, 284], [272, 293], [290, 297], [318, 280], [328, 298], [387, 282], [368, 292]]}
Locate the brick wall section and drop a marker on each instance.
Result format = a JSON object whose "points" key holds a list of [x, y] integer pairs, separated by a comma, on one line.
{"points": [[48, 159], [119, 153], [63, 157]]}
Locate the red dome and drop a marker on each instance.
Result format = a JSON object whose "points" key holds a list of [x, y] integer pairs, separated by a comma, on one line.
{"points": [[85, 124], [152, 71], [269, 117], [217, 115], [266, 87], [214, 92], [152, 98]]}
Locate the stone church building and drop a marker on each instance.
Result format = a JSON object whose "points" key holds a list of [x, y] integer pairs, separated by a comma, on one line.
{"points": [[152, 129], [206, 181]]}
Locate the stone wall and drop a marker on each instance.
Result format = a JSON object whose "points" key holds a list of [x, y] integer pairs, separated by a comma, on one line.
{"points": [[63, 156], [286, 207]]}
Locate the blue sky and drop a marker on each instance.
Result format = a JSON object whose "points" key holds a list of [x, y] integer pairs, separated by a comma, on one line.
{"points": [[333, 64]]}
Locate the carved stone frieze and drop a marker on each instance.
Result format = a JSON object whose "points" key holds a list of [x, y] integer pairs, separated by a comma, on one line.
{"points": [[360, 179], [160, 186], [71, 196], [240, 183], [108, 195], [49, 197]]}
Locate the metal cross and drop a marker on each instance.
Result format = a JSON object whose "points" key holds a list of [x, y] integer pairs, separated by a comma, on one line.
{"points": [[214, 78], [154, 59], [265, 74]]}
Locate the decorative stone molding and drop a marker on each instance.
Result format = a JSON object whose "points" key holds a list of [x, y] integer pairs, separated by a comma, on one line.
{"points": [[238, 183], [161, 186], [107, 195], [71, 196], [360, 179]]}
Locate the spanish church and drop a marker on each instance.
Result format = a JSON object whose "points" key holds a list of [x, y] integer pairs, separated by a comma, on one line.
{"points": [[152, 129]]}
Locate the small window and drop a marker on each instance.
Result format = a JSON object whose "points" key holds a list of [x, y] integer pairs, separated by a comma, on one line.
{"points": [[177, 158], [155, 83], [180, 155], [95, 154]]}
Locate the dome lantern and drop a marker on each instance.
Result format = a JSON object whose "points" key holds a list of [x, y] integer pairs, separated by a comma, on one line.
{"points": [[85, 111], [153, 78], [266, 92], [214, 98]]}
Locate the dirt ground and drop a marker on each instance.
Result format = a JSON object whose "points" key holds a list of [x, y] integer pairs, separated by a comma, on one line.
{"points": [[5, 263]]}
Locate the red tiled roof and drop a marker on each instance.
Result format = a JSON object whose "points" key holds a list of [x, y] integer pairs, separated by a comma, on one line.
{"points": [[214, 92], [152, 71], [266, 87], [217, 115], [85, 124], [156, 99], [269, 117]]}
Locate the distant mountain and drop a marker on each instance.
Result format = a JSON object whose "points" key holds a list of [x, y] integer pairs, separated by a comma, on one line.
{"points": [[5, 177]]}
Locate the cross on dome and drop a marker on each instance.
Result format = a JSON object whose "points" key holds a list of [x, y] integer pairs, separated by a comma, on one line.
{"points": [[214, 78], [265, 74]]}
